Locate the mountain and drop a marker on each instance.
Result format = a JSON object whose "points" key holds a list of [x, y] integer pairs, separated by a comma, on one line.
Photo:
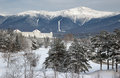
{"points": [[75, 20]]}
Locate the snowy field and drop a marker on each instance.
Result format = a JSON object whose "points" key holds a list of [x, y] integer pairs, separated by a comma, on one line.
{"points": [[40, 72]]}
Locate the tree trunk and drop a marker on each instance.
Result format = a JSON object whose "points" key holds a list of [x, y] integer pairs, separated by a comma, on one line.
{"points": [[72, 75], [76, 69], [116, 65], [55, 73], [44, 73], [112, 63], [8, 63], [107, 64], [66, 75], [25, 76], [101, 65], [32, 73], [78, 74], [25, 73]]}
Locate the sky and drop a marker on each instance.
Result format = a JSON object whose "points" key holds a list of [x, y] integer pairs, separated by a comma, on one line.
{"points": [[17, 6]]}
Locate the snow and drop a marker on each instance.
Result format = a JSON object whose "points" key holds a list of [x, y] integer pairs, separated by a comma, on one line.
{"points": [[17, 31], [80, 13], [43, 53], [118, 20], [2, 14], [2, 65], [68, 44], [59, 23], [74, 13], [96, 66], [37, 21], [103, 74], [35, 13]]}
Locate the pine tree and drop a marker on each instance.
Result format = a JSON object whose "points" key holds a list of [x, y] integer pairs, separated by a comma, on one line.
{"points": [[56, 57], [9, 43], [46, 42], [3, 41], [116, 47], [101, 46], [78, 58]]}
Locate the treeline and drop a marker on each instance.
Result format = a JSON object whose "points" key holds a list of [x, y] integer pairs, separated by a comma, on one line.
{"points": [[17, 53], [14, 42], [101, 48], [106, 48], [74, 60]]}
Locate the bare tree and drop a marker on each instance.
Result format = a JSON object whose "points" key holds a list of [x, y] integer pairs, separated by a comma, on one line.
{"points": [[15, 70], [46, 42], [26, 46], [68, 37], [32, 60]]}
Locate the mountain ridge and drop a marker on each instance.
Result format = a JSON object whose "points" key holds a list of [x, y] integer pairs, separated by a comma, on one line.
{"points": [[70, 12], [67, 12], [78, 20]]}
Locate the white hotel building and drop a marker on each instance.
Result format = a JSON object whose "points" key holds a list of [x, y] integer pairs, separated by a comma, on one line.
{"points": [[36, 33]]}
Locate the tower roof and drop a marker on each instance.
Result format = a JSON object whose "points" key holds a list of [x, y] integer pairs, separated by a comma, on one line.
{"points": [[36, 30], [17, 31]]}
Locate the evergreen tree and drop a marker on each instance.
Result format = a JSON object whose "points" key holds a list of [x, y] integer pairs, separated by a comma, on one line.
{"points": [[78, 61], [46, 42], [9, 43], [116, 47], [3, 40], [56, 57], [101, 46], [106, 46]]}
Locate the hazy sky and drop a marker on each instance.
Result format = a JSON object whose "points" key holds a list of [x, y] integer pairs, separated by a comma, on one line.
{"points": [[16, 6]]}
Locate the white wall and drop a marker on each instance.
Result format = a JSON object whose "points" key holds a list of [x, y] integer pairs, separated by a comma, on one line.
{"points": [[35, 33]]}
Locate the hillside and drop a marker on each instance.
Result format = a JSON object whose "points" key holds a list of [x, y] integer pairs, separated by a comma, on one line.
{"points": [[75, 20]]}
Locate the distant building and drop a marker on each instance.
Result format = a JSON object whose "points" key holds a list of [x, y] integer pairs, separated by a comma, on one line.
{"points": [[36, 33]]}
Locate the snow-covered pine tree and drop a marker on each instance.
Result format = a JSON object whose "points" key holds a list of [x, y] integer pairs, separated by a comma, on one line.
{"points": [[3, 41], [9, 43], [56, 57], [78, 61], [116, 47], [46, 42], [17, 43], [101, 47], [35, 44]]}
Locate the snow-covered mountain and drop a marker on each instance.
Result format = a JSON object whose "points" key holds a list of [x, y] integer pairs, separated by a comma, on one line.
{"points": [[2, 14], [74, 13], [79, 20]]}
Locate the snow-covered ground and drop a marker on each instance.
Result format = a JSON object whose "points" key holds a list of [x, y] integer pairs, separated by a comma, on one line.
{"points": [[40, 71]]}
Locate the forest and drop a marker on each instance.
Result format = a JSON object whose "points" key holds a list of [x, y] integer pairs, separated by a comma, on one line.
{"points": [[69, 55]]}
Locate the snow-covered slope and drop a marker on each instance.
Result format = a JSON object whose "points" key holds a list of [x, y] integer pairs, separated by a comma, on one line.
{"points": [[75, 20], [74, 13], [2, 14], [39, 70]]}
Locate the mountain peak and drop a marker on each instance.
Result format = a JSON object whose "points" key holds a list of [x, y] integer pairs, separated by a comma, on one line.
{"points": [[2, 14], [30, 12], [70, 20], [82, 8], [79, 11], [74, 13]]}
